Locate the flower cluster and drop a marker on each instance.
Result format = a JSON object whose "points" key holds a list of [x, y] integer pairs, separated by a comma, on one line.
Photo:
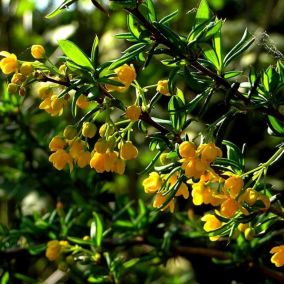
{"points": [[50, 101], [68, 152], [72, 150], [162, 185]]}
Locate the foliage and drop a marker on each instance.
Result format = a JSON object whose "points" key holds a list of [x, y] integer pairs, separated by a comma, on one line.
{"points": [[104, 113]]}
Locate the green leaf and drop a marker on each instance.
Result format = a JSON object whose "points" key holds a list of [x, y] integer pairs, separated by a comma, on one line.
{"points": [[25, 278], [151, 11], [275, 126], [75, 54], [203, 13], [232, 74], [152, 163], [169, 17], [132, 26], [234, 153], [127, 36], [128, 56], [176, 107], [95, 51], [96, 232], [213, 30], [218, 47], [61, 8], [211, 55], [230, 164], [239, 48], [78, 241], [131, 263], [37, 249], [194, 82]]}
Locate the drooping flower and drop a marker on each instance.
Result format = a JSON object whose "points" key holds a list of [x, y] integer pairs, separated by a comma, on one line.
{"points": [[133, 112], [163, 87], [128, 151], [152, 183], [278, 255], [9, 63], [60, 159]]}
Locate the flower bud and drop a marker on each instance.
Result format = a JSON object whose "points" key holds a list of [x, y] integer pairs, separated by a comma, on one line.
{"points": [[37, 51], [126, 74], [22, 91], [133, 112], [106, 129], [18, 78], [82, 102], [70, 132], [249, 233], [12, 88], [26, 68], [101, 146], [187, 149], [89, 129]]}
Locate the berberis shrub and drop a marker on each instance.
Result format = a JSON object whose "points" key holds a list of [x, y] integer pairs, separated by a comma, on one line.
{"points": [[207, 201]]}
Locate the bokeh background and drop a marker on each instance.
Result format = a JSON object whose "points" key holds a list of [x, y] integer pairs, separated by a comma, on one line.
{"points": [[29, 184]]}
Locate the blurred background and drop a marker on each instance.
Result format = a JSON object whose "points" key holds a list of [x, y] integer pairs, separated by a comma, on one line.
{"points": [[28, 182]]}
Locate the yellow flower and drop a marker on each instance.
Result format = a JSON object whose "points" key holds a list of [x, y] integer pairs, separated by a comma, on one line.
{"points": [[56, 143], [98, 162], [126, 74], [119, 166], [45, 91], [37, 51], [211, 223], [249, 197], [183, 190], [152, 183], [242, 227], [187, 149], [195, 168], [209, 152], [110, 158], [53, 250], [278, 255], [82, 102], [8, 64], [89, 129], [249, 233], [160, 200], [76, 148], [163, 87], [60, 159], [233, 185], [128, 151], [133, 112], [265, 200], [26, 68], [229, 207], [84, 159]]}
